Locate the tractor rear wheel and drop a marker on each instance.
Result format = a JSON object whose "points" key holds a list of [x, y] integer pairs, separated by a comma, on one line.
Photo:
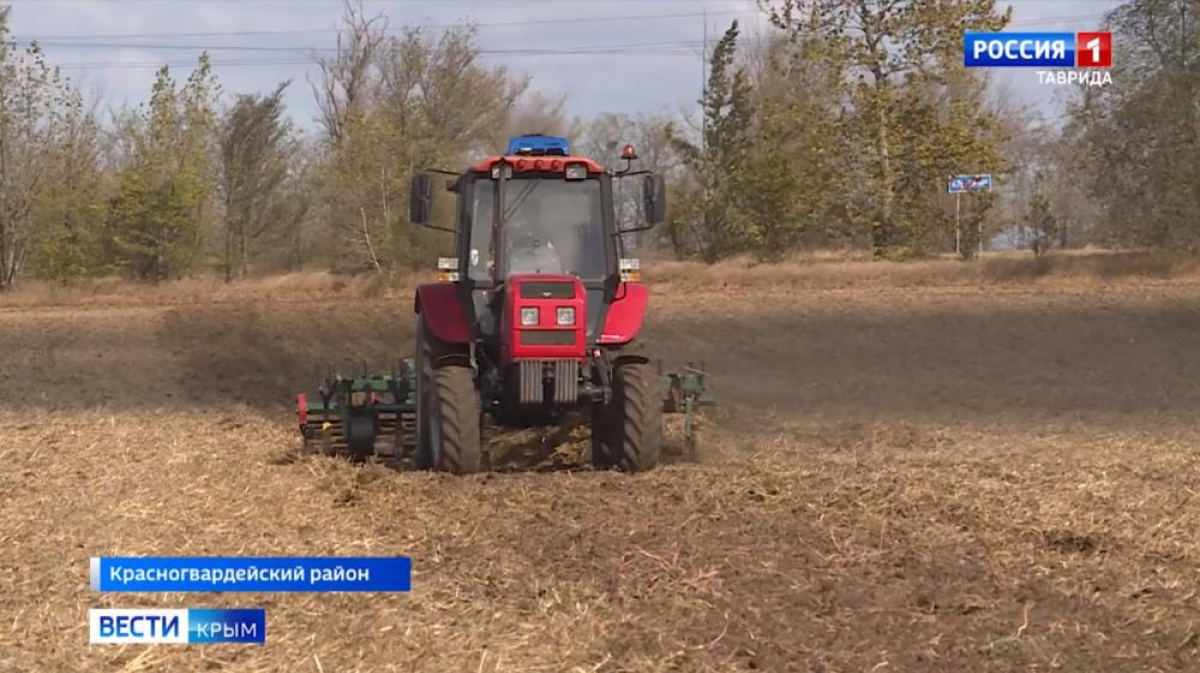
{"points": [[448, 414], [627, 432]]}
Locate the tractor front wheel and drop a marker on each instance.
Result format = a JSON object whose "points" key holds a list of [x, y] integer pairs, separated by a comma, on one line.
{"points": [[448, 415], [627, 432]]}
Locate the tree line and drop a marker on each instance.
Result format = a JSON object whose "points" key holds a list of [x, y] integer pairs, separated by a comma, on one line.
{"points": [[1135, 146], [835, 129]]}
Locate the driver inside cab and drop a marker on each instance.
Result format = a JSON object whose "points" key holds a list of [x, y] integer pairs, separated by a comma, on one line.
{"points": [[529, 253]]}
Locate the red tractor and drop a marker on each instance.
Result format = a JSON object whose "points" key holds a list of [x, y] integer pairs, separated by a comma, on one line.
{"points": [[537, 314]]}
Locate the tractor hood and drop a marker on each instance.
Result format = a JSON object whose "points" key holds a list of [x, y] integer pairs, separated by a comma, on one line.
{"points": [[545, 317]]}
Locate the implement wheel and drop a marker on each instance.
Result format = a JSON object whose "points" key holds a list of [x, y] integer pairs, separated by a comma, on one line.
{"points": [[447, 408], [627, 433]]}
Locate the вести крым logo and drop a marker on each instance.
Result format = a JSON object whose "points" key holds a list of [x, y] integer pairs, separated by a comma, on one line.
{"points": [[116, 626]]}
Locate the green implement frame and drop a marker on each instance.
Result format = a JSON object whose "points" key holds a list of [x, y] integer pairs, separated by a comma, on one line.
{"points": [[684, 393], [362, 415]]}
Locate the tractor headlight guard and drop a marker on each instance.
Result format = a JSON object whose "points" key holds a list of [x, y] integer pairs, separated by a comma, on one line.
{"points": [[565, 316], [529, 316], [631, 269], [575, 172], [447, 270]]}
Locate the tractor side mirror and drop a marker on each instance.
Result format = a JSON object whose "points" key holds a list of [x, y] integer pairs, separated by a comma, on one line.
{"points": [[420, 202], [654, 195]]}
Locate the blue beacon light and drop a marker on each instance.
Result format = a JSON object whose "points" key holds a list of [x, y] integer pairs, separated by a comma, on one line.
{"points": [[538, 145]]}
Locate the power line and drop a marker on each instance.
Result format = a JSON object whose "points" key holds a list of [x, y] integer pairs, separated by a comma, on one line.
{"points": [[481, 25], [154, 65], [654, 48], [302, 55], [396, 29], [333, 50], [134, 65]]}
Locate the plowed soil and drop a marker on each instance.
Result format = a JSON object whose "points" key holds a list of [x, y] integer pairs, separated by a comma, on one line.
{"points": [[998, 477]]}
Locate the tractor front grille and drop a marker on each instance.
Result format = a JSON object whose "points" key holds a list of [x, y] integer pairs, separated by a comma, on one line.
{"points": [[566, 381], [533, 386], [547, 289]]}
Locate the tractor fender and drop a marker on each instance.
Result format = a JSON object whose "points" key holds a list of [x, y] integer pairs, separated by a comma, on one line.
{"points": [[441, 306], [625, 314]]}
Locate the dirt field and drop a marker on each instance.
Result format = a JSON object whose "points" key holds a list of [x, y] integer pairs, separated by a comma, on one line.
{"points": [[980, 475]]}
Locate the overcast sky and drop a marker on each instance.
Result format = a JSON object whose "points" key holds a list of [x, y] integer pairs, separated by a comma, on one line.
{"points": [[114, 46]]}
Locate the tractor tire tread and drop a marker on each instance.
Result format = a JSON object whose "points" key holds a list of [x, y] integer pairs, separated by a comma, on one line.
{"points": [[628, 435], [458, 403], [452, 391], [424, 366]]}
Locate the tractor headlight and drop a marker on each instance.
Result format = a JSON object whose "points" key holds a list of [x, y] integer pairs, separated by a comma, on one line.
{"points": [[566, 315], [529, 316]]}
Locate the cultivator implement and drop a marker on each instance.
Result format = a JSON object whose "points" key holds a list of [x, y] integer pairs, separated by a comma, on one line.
{"points": [[362, 415], [376, 415], [684, 393]]}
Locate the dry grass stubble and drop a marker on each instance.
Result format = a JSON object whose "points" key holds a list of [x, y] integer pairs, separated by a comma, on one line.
{"points": [[920, 480], [814, 549]]}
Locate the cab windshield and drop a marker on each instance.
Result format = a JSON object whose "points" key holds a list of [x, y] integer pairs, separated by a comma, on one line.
{"points": [[551, 226]]}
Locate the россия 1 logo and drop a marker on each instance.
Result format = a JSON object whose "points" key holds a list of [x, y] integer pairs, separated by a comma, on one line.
{"points": [[1043, 50]]}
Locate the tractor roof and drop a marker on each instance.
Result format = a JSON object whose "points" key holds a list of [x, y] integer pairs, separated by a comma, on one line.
{"points": [[550, 164]]}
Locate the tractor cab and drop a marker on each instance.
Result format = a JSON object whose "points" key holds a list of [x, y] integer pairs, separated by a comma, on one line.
{"points": [[531, 214]]}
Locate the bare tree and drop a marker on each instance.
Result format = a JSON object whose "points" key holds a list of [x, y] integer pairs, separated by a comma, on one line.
{"points": [[346, 81], [437, 93], [604, 137], [32, 103], [428, 101], [256, 148]]}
